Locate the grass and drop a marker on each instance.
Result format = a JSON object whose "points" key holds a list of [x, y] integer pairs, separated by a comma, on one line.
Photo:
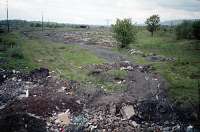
{"points": [[118, 74], [182, 86], [12, 54], [66, 60]]}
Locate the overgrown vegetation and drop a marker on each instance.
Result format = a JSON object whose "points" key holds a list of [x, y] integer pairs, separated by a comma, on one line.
{"points": [[11, 53], [183, 74], [188, 30], [125, 32]]}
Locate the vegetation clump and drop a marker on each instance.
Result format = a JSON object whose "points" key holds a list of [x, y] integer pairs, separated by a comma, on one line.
{"points": [[188, 30], [125, 32]]}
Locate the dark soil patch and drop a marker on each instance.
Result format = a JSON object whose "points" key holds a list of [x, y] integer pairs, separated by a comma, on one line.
{"points": [[21, 122]]}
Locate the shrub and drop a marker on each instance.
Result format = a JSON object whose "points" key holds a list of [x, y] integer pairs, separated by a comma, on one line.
{"points": [[15, 52], [196, 29], [125, 32], [184, 30]]}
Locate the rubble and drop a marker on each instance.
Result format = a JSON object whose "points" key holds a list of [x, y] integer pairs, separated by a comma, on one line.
{"points": [[127, 112], [56, 105], [157, 58], [63, 119]]}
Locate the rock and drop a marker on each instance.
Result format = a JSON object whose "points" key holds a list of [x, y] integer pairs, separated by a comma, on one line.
{"points": [[166, 129], [113, 109], [189, 128], [134, 124], [92, 128], [127, 112], [63, 119]]}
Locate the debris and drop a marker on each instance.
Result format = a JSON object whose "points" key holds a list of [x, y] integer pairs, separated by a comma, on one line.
{"points": [[27, 93], [127, 112], [134, 124], [63, 119], [113, 109], [120, 82], [39, 73]]}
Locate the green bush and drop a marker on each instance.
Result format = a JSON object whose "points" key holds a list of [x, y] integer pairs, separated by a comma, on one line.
{"points": [[196, 29], [15, 52], [188, 30], [125, 32], [184, 30]]}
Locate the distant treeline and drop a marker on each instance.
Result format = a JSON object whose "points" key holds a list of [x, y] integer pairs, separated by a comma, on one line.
{"points": [[188, 30], [18, 24], [22, 23]]}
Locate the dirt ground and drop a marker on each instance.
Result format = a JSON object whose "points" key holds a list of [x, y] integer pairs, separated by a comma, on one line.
{"points": [[32, 102]]}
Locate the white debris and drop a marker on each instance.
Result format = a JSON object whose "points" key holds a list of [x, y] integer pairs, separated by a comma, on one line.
{"points": [[63, 118], [122, 68], [146, 78], [129, 68], [140, 67], [92, 128], [126, 62], [14, 71], [63, 88], [120, 82], [78, 102], [127, 112], [27, 93], [14, 79], [134, 124], [155, 79]]}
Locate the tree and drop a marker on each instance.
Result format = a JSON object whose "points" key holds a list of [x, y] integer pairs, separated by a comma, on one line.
{"points": [[125, 32], [153, 23], [184, 30]]}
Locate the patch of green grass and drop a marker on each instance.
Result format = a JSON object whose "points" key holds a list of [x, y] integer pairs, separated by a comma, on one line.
{"points": [[66, 60], [182, 87], [111, 87], [12, 55], [118, 74]]}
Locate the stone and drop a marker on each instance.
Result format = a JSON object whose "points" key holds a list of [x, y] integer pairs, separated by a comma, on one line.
{"points": [[127, 112], [63, 119], [112, 109], [134, 124]]}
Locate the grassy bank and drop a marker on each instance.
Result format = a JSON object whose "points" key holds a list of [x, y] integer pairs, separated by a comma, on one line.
{"points": [[66, 60], [183, 74]]}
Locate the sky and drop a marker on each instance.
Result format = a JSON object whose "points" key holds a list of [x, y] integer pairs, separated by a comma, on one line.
{"points": [[99, 12]]}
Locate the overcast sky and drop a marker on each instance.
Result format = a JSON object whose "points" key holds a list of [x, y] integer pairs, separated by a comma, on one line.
{"points": [[99, 11]]}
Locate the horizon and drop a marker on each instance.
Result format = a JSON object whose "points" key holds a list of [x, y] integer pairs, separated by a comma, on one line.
{"points": [[103, 12]]}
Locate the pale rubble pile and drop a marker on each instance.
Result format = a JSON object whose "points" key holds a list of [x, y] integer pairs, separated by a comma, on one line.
{"points": [[151, 56]]}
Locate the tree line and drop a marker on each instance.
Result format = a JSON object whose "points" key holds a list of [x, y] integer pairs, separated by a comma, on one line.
{"points": [[125, 32]]}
